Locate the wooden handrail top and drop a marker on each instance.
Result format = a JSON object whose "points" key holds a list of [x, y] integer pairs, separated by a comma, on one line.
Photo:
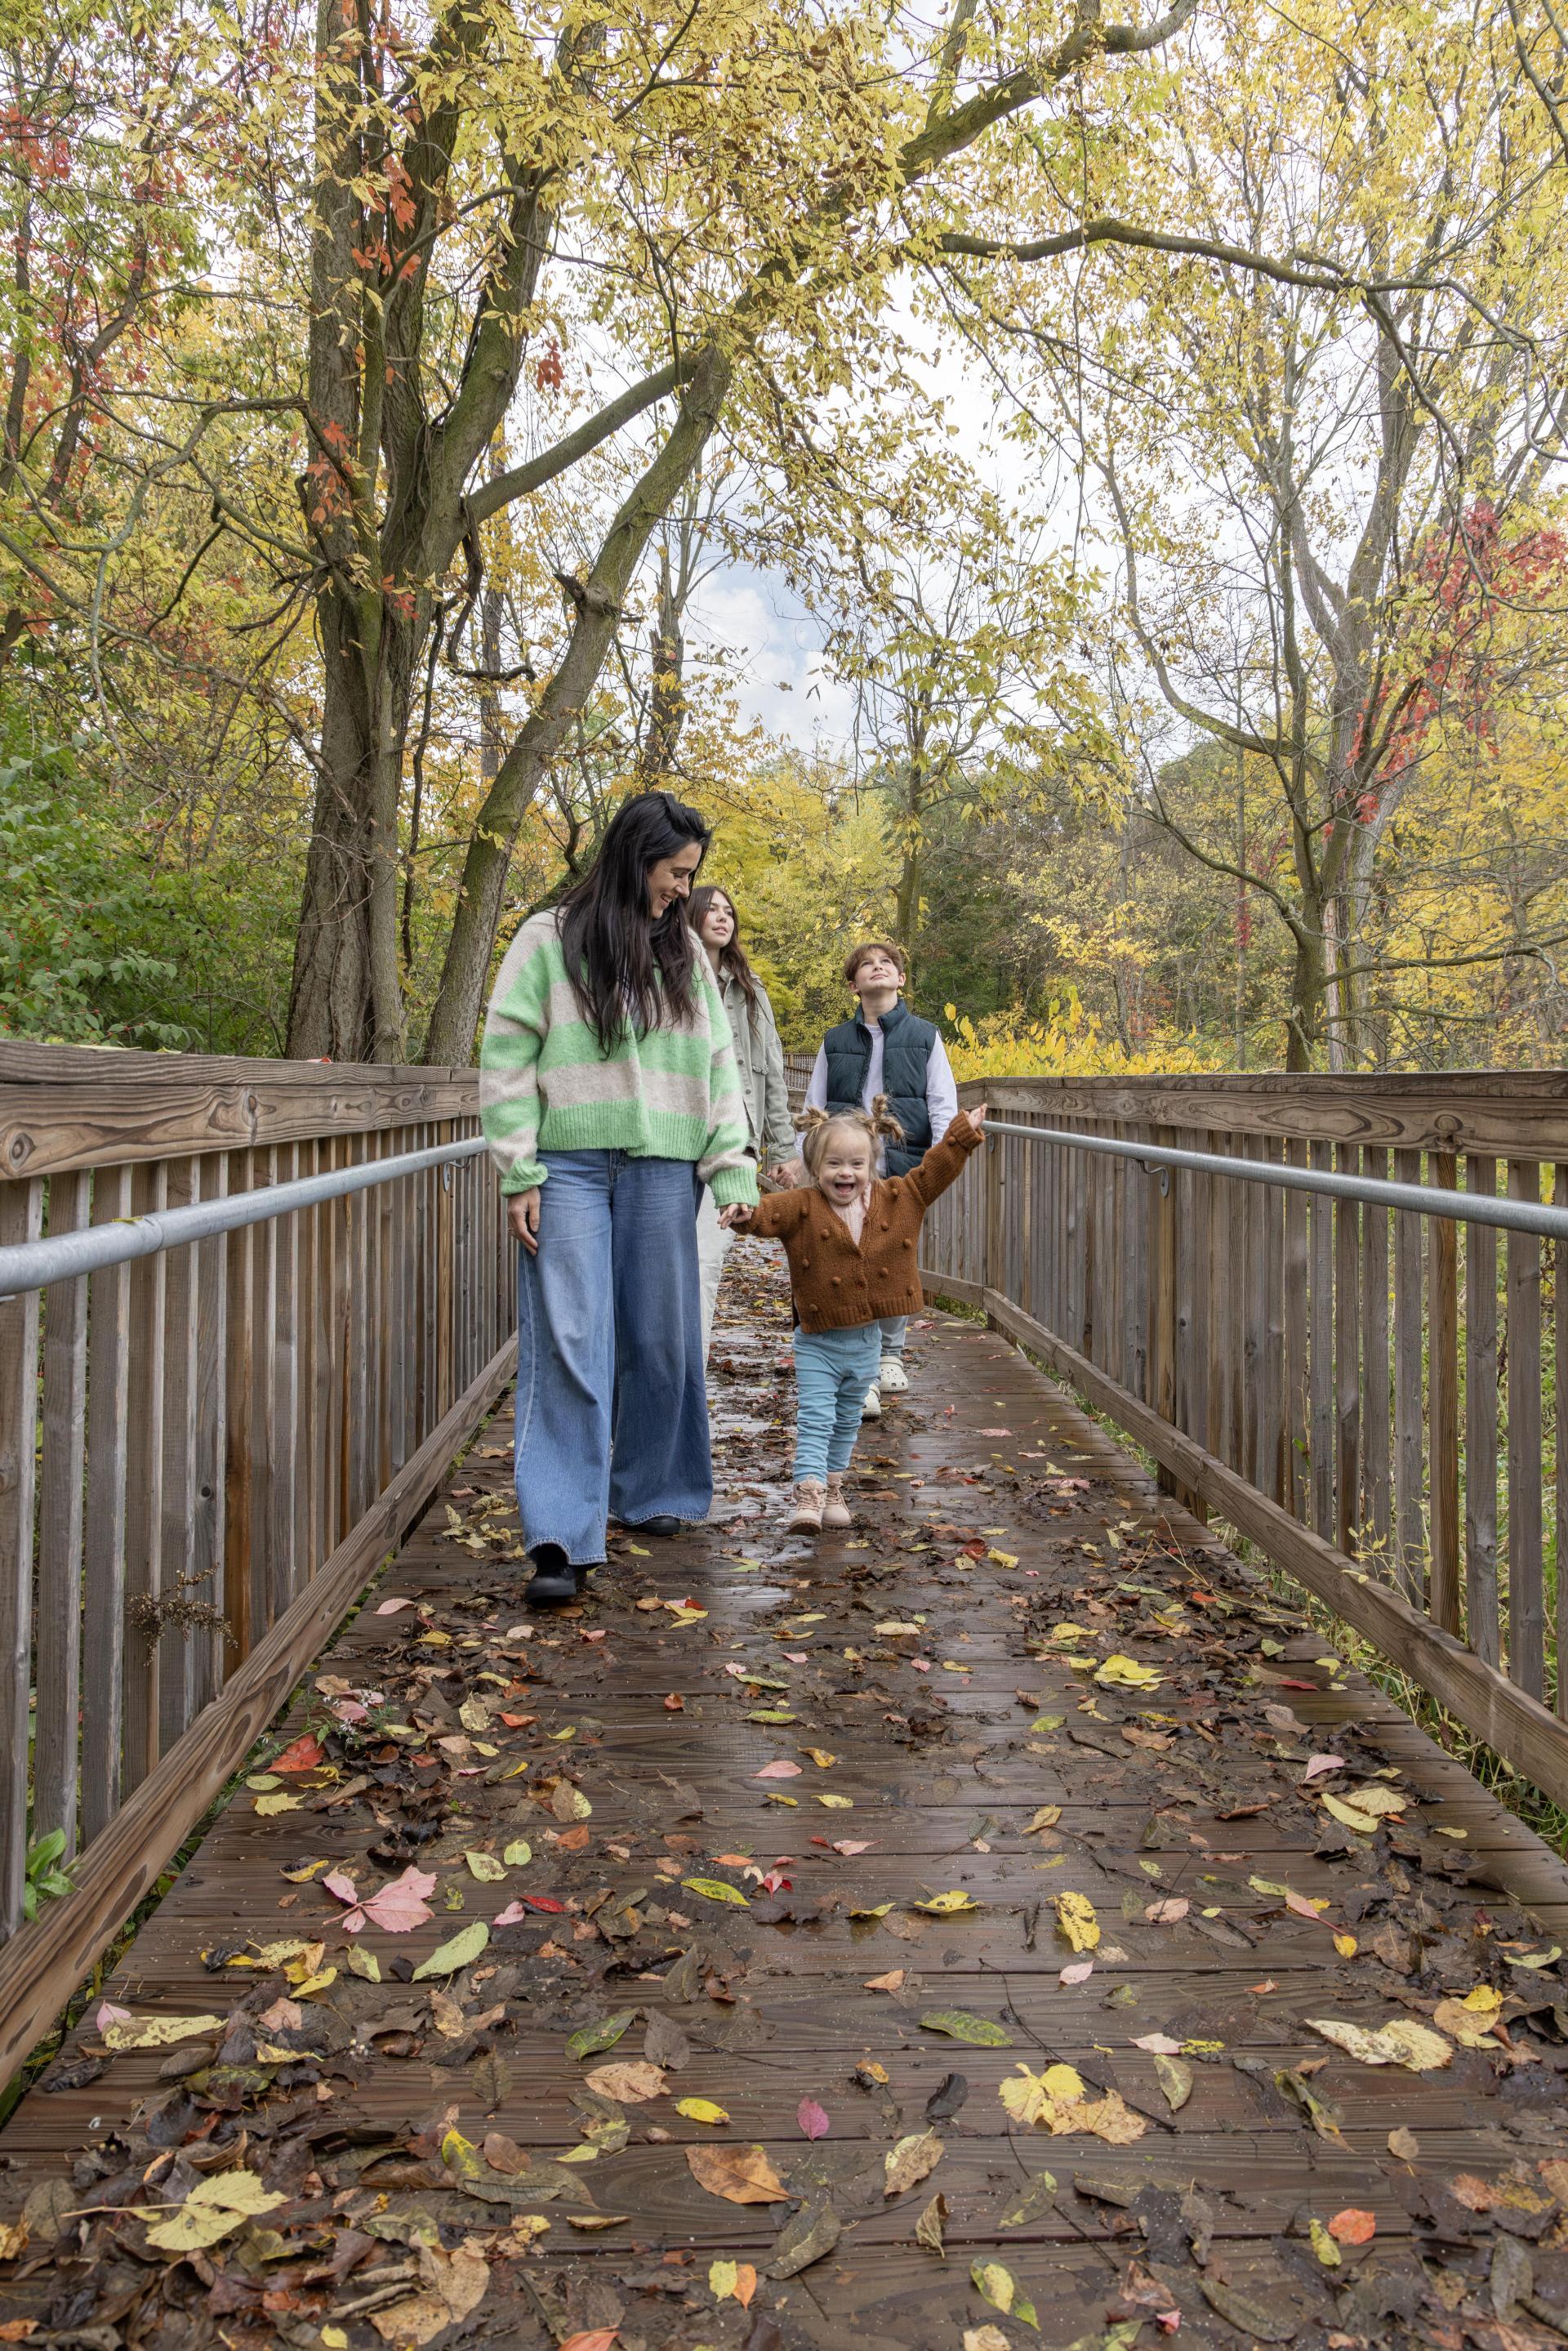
{"points": [[1513, 1113], [74, 1108]]}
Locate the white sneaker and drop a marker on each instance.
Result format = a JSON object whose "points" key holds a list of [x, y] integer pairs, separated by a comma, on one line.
{"points": [[872, 1407], [892, 1376], [805, 1517]]}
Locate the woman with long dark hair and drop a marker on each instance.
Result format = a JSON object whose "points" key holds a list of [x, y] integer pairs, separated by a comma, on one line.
{"points": [[759, 1062], [610, 1098]]}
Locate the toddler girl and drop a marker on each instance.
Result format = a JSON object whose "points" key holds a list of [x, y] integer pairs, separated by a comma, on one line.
{"points": [[853, 1245]]}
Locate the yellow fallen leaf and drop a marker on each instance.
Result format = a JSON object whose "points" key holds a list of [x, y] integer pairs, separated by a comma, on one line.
{"points": [[1003, 1558], [833, 1803], [214, 2206], [1076, 1922], [701, 2110], [1126, 1673], [266, 1806], [820, 1757], [944, 1905], [1346, 1946], [156, 2031], [1350, 1816]]}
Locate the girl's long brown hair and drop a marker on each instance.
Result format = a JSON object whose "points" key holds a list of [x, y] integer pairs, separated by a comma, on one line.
{"points": [[730, 958]]}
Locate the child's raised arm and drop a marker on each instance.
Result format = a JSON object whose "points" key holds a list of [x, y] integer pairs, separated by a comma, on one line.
{"points": [[943, 1163]]}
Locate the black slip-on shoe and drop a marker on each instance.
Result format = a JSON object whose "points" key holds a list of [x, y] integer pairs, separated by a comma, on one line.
{"points": [[661, 1526], [555, 1579]]}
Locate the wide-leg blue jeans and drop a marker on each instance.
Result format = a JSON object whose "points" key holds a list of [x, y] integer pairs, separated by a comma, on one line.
{"points": [[612, 1412]]}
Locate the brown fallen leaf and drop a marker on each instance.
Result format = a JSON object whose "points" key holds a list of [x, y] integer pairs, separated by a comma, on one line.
{"points": [[813, 2231], [1404, 2144], [907, 2163], [629, 2081], [892, 1981], [928, 2227], [742, 2175]]}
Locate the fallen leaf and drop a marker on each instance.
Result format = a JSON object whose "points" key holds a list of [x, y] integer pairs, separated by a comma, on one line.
{"points": [[1168, 1913], [589, 2040], [213, 2208], [911, 2160], [813, 2231], [780, 1769], [158, 2031], [892, 1981], [1126, 1673], [485, 1868], [1317, 1765], [928, 2227], [813, 2118], [742, 2175], [958, 2024], [1076, 1922], [1000, 2288], [1175, 2080], [630, 2082], [1353, 2227], [306, 1754], [714, 1889], [702, 2110], [458, 1951], [985, 2338], [1402, 2042], [1046, 1818], [1077, 1972], [1404, 2144]]}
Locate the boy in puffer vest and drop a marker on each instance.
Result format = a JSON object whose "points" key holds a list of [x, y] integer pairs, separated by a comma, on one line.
{"points": [[887, 1050]]}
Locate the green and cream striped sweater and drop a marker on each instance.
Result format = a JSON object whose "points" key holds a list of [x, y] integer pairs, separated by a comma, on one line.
{"points": [[545, 1085]]}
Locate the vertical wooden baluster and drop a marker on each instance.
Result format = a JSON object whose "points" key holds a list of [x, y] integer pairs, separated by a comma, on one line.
{"points": [[61, 1476], [177, 1540], [103, 1600], [358, 1359], [1480, 1423], [445, 1315], [242, 1278], [1320, 1378], [1347, 1357], [1160, 1261], [1261, 1425], [1219, 1311], [430, 1363], [21, 1220], [264, 1437], [400, 1314], [1443, 1344], [1202, 1281], [208, 1529], [308, 1552], [1559, 1360], [386, 1347], [1239, 1188], [1526, 1600], [1409, 1526], [1378, 1473], [1297, 1286], [283, 1566], [144, 1486], [1184, 1281], [337, 1374], [1273, 1407]]}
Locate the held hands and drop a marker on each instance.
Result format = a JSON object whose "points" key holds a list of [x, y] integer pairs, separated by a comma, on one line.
{"points": [[523, 1216], [737, 1214]]}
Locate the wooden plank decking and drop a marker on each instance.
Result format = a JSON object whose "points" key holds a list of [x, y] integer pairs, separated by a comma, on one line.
{"points": [[994, 1511]]}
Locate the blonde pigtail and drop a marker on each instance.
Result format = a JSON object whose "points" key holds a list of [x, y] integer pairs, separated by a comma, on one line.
{"points": [[883, 1121]]}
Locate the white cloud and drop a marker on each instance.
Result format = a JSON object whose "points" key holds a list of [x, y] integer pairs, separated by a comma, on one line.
{"points": [[776, 648]]}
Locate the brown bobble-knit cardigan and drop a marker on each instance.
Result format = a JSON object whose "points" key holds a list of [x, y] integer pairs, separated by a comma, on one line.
{"points": [[839, 1283]]}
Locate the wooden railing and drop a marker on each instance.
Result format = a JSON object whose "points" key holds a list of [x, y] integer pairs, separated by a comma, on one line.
{"points": [[1375, 1398], [206, 1453]]}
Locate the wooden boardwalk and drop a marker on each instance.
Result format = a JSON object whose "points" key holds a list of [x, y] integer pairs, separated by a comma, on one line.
{"points": [[783, 1808]]}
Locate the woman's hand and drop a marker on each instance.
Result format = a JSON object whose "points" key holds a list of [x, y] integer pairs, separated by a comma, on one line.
{"points": [[977, 1118], [737, 1214], [523, 1216], [789, 1171]]}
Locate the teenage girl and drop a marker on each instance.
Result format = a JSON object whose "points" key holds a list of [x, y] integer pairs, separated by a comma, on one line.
{"points": [[853, 1245]]}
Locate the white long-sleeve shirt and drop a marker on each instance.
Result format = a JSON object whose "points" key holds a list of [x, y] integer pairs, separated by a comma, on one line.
{"points": [[941, 1088]]}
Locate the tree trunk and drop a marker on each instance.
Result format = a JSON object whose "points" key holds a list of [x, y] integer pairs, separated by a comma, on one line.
{"points": [[466, 974]]}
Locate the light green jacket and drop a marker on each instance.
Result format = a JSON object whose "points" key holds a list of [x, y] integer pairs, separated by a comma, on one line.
{"points": [[759, 1060]]}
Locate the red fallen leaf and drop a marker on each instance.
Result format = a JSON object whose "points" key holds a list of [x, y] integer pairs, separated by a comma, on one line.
{"points": [[976, 1550], [775, 1882], [601, 1633], [573, 1839], [1306, 1686], [597, 2338], [303, 1755], [518, 1721], [1353, 2227], [541, 1902], [1268, 1984], [811, 2118], [675, 1703]]}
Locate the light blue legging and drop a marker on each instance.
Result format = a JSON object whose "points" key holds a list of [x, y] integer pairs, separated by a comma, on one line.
{"points": [[894, 1329], [833, 1370]]}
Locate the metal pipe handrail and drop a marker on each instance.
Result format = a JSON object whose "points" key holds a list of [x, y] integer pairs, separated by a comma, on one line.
{"points": [[1426, 1199], [66, 1256]]}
